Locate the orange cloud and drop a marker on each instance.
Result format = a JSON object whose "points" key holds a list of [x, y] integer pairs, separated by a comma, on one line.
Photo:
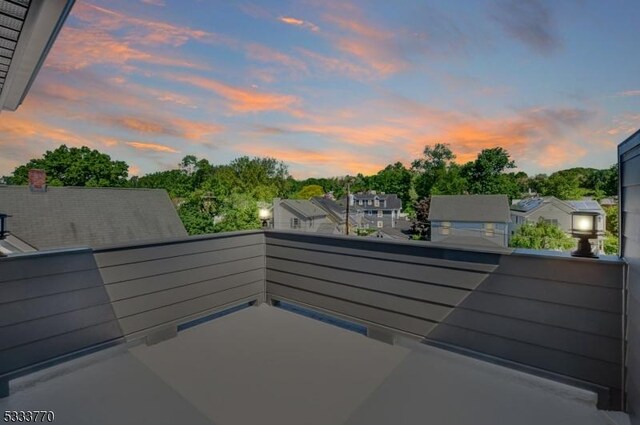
{"points": [[155, 147], [299, 23], [266, 54], [80, 48], [337, 66], [240, 100]]}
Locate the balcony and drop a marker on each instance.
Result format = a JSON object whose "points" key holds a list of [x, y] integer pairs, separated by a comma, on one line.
{"points": [[157, 333]]}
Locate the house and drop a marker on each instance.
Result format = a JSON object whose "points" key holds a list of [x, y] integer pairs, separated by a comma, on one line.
{"points": [[378, 210], [470, 219], [304, 215], [554, 211], [60, 217]]}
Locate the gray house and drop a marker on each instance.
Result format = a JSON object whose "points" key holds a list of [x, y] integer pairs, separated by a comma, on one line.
{"points": [[470, 219], [86, 216], [304, 215], [555, 211], [378, 210]]}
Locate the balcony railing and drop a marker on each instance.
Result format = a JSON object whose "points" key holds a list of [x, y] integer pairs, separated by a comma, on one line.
{"points": [[554, 316]]}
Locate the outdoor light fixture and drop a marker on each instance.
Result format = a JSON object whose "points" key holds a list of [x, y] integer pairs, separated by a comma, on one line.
{"points": [[264, 214], [3, 225], [584, 227]]}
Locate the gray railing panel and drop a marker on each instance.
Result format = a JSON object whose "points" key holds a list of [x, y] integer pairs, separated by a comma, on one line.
{"points": [[565, 310], [56, 306]]}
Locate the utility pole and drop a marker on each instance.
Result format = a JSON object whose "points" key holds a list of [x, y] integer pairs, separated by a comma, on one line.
{"points": [[348, 202]]}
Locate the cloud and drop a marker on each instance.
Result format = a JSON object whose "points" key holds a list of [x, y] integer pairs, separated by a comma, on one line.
{"points": [[240, 100], [529, 21], [337, 66], [266, 54], [299, 23], [154, 2], [155, 147], [628, 93]]}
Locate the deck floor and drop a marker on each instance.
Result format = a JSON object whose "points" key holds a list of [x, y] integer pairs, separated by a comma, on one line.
{"points": [[263, 365]]}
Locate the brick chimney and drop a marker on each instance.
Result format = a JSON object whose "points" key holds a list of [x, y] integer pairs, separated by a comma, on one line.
{"points": [[37, 180]]}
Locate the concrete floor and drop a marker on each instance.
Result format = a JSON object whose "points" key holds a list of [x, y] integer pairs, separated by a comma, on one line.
{"points": [[263, 365]]}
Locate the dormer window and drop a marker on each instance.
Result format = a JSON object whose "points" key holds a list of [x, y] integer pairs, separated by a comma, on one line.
{"points": [[376, 203], [370, 201]]}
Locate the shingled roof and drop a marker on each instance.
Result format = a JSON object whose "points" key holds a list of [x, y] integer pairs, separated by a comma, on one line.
{"points": [[81, 216], [470, 208]]}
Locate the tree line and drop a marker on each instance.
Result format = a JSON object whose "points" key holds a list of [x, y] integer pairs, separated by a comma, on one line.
{"points": [[216, 198]]}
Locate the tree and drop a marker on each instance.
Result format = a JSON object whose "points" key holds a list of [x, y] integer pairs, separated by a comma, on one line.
{"points": [[238, 212], [310, 191], [486, 174], [176, 182], [420, 225], [541, 235], [394, 178], [75, 167], [563, 185], [431, 168], [451, 182], [611, 213]]}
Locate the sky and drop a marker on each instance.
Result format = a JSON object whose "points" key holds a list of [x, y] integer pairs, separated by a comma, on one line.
{"points": [[335, 87]]}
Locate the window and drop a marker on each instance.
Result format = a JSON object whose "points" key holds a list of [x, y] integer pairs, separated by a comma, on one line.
{"points": [[370, 201], [369, 212], [380, 224], [376, 203], [380, 213], [489, 229], [295, 223], [359, 201], [551, 221], [445, 228]]}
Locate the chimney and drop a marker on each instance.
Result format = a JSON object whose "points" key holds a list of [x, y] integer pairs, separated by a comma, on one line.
{"points": [[37, 180]]}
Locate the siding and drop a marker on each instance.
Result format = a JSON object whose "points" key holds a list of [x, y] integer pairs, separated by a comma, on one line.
{"points": [[51, 304], [164, 284], [629, 160], [556, 315]]}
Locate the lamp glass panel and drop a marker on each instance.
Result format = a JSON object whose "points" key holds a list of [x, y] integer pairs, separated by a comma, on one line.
{"points": [[583, 223], [264, 213]]}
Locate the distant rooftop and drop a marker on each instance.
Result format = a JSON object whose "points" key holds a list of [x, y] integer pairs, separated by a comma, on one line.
{"points": [[82, 216], [470, 208]]}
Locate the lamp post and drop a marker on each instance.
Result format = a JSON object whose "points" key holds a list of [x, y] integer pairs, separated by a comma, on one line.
{"points": [[584, 227], [264, 215]]}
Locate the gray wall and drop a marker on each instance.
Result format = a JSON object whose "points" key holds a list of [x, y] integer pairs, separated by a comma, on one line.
{"points": [[51, 304], [282, 219], [629, 152], [553, 315], [152, 286]]}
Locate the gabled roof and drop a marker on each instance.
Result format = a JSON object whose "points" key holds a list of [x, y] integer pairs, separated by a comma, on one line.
{"points": [[592, 206], [334, 210], [81, 216], [471, 208], [391, 199], [530, 205], [303, 207]]}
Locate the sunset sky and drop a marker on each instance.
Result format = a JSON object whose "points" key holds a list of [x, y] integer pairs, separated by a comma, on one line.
{"points": [[335, 87]]}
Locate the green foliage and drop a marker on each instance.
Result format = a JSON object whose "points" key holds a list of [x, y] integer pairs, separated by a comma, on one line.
{"points": [[176, 182], [610, 244], [564, 185], [238, 212], [541, 235], [75, 167], [309, 191], [486, 174], [611, 213], [394, 178], [432, 168]]}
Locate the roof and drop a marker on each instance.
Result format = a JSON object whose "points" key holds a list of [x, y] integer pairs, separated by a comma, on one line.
{"points": [[303, 207], [392, 201], [28, 29], [593, 206], [81, 216], [316, 373], [473, 208], [326, 228]]}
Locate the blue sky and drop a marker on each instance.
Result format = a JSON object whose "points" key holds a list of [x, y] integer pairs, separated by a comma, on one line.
{"points": [[336, 87]]}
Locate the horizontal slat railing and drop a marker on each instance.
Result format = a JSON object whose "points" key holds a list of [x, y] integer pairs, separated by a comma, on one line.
{"points": [[166, 283], [554, 314], [51, 304]]}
